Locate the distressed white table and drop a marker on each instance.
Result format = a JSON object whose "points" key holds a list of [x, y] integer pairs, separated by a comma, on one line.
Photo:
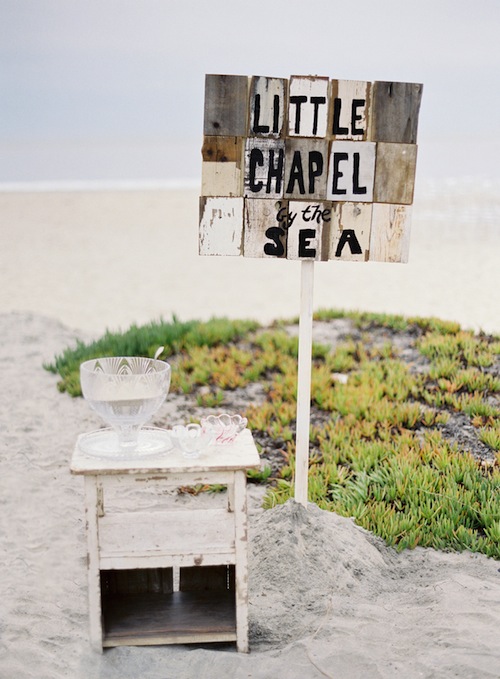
{"points": [[132, 552]]}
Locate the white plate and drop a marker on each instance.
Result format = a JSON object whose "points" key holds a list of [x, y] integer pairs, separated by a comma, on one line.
{"points": [[104, 443]]}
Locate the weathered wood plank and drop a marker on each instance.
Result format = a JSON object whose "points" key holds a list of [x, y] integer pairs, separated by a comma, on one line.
{"points": [[350, 232], [157, 560], [206, 578], [308, 107], [226, 103], [395, 168], [264, 167], [222, 166], [351, 171], [390, 233], [307, 222], [221, 226], [215, 465], [264, 228], [241, 547], [350, 109], [306, 169], [94, 580], [178, 532], [267, 108], [394, 112], [137, 581], [158, 482]]}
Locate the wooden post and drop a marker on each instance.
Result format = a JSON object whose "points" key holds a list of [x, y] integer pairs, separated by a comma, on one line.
{"points": [[304, 382]]}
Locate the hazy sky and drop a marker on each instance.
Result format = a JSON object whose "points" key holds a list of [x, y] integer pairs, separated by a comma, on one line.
{"points": [[113, 89]]}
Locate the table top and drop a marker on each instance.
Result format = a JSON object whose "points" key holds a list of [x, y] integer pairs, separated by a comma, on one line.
{"points": [[240, 454]]}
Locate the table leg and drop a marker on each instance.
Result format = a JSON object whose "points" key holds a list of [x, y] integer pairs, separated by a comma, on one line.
{"points": [[230, 497], [241, 548], [94, 584]]}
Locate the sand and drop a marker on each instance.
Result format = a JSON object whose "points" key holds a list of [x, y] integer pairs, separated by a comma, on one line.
{"points": [[327, 599], [107, 258]]}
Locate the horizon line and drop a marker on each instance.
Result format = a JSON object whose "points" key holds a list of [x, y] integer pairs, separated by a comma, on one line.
{"points": [[99, 185]]}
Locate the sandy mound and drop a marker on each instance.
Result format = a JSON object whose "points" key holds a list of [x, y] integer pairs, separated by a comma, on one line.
{"points": [[327, 599]]}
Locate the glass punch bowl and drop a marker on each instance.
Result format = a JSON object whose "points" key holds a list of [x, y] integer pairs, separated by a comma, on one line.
{"points": [[126, 391]]}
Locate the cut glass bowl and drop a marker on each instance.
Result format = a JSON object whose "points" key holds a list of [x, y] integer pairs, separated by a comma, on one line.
{"points": [[126, 391]]}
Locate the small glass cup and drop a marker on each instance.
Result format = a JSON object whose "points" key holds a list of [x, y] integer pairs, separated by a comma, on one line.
{"points": [[191, 439]]}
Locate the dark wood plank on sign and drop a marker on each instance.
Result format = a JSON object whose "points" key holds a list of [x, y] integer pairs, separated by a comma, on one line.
{"points": [[395, 167], [226, 103], [222, 171], [394, 112]]}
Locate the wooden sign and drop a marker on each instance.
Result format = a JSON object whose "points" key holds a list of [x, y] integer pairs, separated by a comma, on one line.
{"points": [[308, 168]]}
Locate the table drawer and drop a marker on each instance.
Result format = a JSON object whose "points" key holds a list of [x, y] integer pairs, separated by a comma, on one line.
{"points": [[187, 537]]}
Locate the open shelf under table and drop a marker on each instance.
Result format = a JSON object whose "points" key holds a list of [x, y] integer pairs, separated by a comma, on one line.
{"points": [[178, 617]]}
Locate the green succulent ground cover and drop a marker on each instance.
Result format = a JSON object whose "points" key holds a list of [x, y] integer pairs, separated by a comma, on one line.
{"points": [[383, 416]]}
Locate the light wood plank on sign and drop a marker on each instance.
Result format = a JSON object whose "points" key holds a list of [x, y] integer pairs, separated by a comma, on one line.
{"points": [[351, 171], [221, 170], [395, 173], [308, 106], [394, 112], [350, 232], [267, 107], [390, 233], [307, 223], [221, 226], [349, 109], [226, 105], [265, 228], [264, 167]]}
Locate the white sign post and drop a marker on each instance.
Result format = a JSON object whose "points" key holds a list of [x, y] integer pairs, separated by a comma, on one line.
{"points": [[304, 382], [309, 169]]}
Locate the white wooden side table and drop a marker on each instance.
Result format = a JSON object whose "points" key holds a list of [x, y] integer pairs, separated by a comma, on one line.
{"points": [[132, 553]]}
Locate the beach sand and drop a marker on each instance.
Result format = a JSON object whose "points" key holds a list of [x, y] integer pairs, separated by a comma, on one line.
{"points": [[105, 259], [327, 599]]}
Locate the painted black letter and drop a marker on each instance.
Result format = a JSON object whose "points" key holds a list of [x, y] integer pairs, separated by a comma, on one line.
{"points": [[305, 237], [298, 101], [337, 105], [256, 158], [315, 168], [256, 116], [276, 248], [296, 174], [356, 103], [337, 158], [316, 101], [355, 176], [276, 113], [348, 236], [275, 171]]}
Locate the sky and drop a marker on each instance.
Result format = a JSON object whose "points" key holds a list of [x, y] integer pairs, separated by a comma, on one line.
{"points": [[113, 90]]}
